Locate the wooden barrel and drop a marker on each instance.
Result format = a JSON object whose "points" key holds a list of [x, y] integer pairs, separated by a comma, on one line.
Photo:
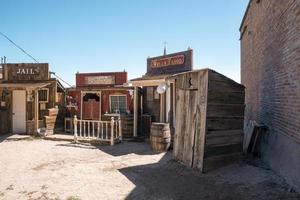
{"points": [[160, 137]]}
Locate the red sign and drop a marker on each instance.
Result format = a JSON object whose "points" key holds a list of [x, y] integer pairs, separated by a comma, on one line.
{"points": [[169, 61]]}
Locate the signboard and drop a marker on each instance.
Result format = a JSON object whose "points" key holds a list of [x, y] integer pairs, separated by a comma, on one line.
{"points": [[168, 61], [170, 64], [99, 80], [23, 72], [27, 71]]}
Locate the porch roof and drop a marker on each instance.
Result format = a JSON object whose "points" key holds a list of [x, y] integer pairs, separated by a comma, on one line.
{"points": [[148, 80], [31, 86]]}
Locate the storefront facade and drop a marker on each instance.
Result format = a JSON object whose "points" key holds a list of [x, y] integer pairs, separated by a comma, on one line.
{"points": [[100, 95], [28, 97], [149, 105]]}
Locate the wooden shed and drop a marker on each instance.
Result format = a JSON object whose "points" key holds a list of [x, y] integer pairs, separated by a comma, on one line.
{"points": [[209, 119]]}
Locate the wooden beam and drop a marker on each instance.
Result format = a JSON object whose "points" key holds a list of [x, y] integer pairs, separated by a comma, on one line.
{"points": [[81, 104], [135, 110], [36, 110], [168, 103], [153, 82]]}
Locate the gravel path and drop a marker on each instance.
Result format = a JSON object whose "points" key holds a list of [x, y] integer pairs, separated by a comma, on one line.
{"points": [[40, 169]]}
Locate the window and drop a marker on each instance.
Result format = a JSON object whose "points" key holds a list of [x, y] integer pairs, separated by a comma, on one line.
{"points": [[1, 72], [118, 103], [44, 95]]}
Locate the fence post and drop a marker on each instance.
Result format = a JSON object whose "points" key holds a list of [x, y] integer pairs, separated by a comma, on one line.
{"points": [[75, 128], [112, 131], [120, 128]]}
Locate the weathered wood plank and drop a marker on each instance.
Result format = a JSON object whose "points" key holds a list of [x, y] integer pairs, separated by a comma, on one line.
{"points": [[201, 120], [223, 149], [216, 139], [221, 110], [220, 86], [225, 123], [189, 137], [219, 82], [225, 97]]}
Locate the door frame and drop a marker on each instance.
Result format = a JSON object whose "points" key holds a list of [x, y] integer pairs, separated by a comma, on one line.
{"points": [[12, 110]]}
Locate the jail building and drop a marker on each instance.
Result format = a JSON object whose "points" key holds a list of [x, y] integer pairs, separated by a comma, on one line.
{"points": [[30, 99]]}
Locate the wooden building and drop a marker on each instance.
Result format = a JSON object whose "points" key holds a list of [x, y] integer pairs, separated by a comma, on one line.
{"points": [[100, 96], [30, 98], [149, 106], [209, 119]]}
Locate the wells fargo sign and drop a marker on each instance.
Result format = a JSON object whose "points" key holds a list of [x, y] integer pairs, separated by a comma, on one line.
{"points": [[169, 61]]}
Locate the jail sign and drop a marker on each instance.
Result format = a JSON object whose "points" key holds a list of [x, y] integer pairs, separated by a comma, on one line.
{"points": [[26, 72]]}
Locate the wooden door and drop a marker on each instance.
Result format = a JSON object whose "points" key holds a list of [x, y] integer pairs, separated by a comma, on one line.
{"points": [[95, 109], [191, 101], [19, 111], [186, 117], [91, 109]]}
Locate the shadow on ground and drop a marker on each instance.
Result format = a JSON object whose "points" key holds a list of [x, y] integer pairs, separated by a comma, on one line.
{"points": [[122, 149], [167, 179], [16, 137], [170, 180]]}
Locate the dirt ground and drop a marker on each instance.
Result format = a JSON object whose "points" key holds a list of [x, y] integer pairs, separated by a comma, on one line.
{"points": [[40, 169]]}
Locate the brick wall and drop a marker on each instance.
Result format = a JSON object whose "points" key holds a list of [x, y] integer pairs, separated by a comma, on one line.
{"points": [[270, 70]]}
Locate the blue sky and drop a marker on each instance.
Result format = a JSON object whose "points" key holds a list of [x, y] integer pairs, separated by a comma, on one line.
{"points": [[113, 35]]}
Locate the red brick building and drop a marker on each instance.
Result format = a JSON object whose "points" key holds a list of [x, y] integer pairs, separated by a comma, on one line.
{"points": [[270, 71], [100, 94]]}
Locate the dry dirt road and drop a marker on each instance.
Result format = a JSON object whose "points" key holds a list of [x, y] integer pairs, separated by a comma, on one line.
{"points": [[40, 169]]}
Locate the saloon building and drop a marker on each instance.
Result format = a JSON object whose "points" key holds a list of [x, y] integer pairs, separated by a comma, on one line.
{"points": [[100, 96], [149, 105], [29, 98]]}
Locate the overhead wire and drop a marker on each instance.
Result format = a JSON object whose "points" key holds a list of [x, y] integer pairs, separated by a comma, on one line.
{"points": [[20, 48], [29, 55]]}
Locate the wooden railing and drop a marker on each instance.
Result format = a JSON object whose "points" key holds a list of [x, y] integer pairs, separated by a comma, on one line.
{"points": [[106, 131]]}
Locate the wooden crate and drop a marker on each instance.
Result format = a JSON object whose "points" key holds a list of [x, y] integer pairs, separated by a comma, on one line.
{"points": [[209, 134]]}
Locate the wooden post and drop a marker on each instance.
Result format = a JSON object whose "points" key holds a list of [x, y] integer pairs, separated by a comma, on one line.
{"points": [[120, 128], [168, 103], [135, 110], [174, 104], [36, 110], [81, 99], [75, 128], [163, 107], [112, 131]]}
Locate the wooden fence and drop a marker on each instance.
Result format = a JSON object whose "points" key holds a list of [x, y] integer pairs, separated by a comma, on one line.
{"points": [[105, 131]]}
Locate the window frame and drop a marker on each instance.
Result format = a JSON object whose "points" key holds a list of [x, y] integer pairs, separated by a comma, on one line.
{"points": [[47, 89], [118, 95]]}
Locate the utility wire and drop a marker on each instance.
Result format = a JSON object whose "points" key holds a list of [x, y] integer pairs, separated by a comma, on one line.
{"points": [[53, 73], [20, 48]]}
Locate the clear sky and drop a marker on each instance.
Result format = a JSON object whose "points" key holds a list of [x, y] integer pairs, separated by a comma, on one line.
{"points": [[113, 35]]}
